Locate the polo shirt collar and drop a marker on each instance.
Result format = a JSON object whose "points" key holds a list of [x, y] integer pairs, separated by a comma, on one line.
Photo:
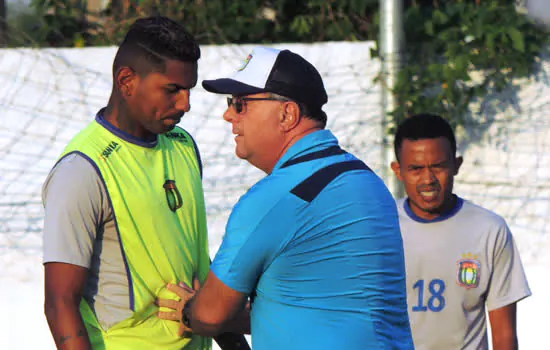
{"points": [[315, 141]]}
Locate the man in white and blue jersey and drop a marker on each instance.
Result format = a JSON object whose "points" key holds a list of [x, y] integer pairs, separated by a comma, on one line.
{"points": [[316, 243], [461, 258]]}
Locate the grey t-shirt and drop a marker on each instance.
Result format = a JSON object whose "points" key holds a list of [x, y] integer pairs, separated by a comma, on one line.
{"points": [[79, 229], [458, 266]]}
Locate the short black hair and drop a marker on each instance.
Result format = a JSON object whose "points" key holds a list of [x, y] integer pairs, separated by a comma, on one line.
{"points": [[423, 126], [151, 41]]}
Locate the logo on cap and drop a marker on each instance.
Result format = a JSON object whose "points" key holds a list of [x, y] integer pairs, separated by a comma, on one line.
{"points": [[245, 63]]}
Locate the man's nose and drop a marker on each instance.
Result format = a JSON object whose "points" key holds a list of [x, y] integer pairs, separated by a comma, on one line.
{"points": [[428, 176], [183, 101], [229, 115]]}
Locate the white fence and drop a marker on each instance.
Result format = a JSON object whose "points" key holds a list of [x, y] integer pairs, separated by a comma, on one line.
{"points": [[46, 96]]}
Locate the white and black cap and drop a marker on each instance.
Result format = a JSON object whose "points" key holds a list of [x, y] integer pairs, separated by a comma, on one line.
{"points": [[281, 72]]}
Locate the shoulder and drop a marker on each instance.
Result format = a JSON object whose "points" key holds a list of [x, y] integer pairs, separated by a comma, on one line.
{"points": [[73, 174], [261, 199], [72, 166], [261, 196], [480, 215], [85, 137], [400, 203], [485, 224]]}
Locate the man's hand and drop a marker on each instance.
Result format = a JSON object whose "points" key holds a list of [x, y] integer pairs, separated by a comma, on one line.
{"points": [[185, 293]]}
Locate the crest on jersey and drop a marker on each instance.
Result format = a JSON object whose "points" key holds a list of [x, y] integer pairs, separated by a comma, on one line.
{"points": [[245, 63], [469, 271], [173, 195]]}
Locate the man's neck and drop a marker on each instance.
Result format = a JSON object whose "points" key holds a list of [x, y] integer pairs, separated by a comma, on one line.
{"points": [[291, 140]]}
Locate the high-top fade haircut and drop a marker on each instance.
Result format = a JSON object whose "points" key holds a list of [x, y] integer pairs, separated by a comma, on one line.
{"points": [[151, 41], [421, 127]]}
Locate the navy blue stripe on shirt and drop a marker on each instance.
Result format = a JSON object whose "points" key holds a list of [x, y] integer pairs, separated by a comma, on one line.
{"points": [[327, 152], [313, 185]]}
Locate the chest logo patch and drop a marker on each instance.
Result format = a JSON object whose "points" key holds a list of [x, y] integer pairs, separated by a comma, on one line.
{"points": [[173, 195], [469, 271]]}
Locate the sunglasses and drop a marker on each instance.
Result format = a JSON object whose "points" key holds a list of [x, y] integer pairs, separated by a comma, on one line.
{"points": [[240, 102]]}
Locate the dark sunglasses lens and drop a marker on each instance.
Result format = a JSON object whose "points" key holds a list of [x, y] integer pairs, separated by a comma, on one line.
{"points": [[238, 103], [239, 106]]}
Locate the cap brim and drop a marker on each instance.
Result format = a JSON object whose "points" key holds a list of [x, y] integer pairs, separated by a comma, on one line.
{"points": [[229, 86]]}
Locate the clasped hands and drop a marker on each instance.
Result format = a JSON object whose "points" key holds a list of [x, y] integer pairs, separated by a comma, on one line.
{"points": [[185, 293]]}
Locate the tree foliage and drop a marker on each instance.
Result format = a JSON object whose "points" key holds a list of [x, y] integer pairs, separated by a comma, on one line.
{"points": [[215, 22], [457, 51], [460, 52]]}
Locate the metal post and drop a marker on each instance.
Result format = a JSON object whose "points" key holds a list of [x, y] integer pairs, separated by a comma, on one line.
{"points": [[3, 24], [391, 51]]}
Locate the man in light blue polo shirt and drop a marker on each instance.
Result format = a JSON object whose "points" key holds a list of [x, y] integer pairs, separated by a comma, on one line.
{"points": [[316, 243]]}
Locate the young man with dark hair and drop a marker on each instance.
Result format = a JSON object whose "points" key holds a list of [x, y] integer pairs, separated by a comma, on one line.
{"points": [[316, 243], [124, 205], [461, 259]]}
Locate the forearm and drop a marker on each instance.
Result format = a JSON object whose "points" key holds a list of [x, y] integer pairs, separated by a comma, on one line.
{"points": [[240, 324], [203, 323], [503, 327], [66, 325], [508, 342]]}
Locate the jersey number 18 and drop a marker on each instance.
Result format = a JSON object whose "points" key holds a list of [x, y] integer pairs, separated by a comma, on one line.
{"points": [[436, 301]]}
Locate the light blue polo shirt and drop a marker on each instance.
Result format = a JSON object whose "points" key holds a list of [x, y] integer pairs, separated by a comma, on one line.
{"points": [[317, 245]]}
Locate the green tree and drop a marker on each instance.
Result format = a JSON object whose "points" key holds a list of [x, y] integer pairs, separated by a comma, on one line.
{"points": [[216, 22], [256, 21], [63, 22], [461, 52], [458, 52]]}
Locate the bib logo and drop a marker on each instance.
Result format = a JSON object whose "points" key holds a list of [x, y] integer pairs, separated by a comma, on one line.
{"points": [[245, 63], [112, 147], [173, 195], [178, 136], [469, 270]]}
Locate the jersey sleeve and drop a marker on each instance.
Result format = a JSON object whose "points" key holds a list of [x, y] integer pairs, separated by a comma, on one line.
{"points": [[252, 239], [75, 205], [508, 281]]}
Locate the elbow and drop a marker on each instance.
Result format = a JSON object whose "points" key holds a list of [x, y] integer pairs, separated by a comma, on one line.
{"points": [[51, 308], [54, 306], [51, 311]]}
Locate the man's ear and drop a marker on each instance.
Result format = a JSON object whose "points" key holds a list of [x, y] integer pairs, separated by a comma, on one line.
{"points": [[126, 80], [290, 115], [396, 169], [458, 162]]}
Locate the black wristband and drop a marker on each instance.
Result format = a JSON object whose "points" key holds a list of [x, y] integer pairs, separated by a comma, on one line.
{"points": [[186, 314]]}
